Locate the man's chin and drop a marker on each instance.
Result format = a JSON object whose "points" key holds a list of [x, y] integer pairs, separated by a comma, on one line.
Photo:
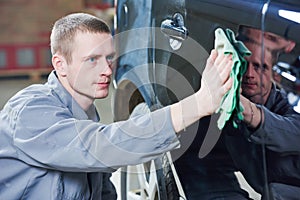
{"points": [[249, 94], [102, 95], [246, 92]]}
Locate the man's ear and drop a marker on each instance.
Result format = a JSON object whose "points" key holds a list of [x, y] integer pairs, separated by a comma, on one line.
{"points": [[60, 65], [290, 46]]}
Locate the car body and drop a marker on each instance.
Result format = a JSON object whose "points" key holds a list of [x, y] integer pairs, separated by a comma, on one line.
{"points": [[162, 47]]}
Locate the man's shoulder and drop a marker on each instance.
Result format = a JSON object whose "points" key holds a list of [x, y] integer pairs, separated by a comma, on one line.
{"points": [[278, 101], [33, 94]]}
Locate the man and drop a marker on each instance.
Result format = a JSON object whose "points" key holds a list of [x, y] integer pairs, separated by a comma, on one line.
{"points": [[272, 126], [269, 123], [51, 143]]}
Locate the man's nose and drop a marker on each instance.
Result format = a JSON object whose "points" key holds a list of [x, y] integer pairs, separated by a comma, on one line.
{"points": [[250, 70], [107, 68]]}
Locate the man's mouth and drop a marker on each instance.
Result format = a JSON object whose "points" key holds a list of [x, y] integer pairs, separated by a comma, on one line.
{"points": [[103, 83], [249, 85]]}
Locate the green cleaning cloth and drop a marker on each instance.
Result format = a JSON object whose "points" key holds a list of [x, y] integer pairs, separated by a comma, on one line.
{"points": [[226, 43]]}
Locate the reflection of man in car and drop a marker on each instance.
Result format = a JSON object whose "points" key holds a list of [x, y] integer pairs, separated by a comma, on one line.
{"points": [[274, 45], [272, 124], [273, 42], [269, 132]]}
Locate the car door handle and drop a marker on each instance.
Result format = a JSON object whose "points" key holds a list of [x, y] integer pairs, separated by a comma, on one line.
{"points": [[125, 10], [174, 27]]}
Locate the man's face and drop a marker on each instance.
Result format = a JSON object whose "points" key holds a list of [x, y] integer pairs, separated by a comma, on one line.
{"points": [[256, 76], [257, 81], [89, 74]]}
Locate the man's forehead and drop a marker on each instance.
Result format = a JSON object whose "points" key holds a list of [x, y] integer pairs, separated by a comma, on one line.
{"points": [[255, 48], [271, 40], [103, 49], [97, 44]]}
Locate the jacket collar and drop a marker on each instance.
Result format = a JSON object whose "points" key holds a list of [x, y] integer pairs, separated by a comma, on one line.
{"points": [[66, 98], [272, 97]]}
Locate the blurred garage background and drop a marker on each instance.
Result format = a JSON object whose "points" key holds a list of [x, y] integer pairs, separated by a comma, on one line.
{"points": [[25, 56], [25, 30]]}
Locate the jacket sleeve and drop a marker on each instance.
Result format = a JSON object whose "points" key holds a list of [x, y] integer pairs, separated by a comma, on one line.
{"points": [[280, 130], [48, 136]]}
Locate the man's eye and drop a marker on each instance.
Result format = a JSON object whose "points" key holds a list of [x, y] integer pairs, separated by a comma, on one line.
{"points": [[92, 59], [110, 58], [256, 66], [265, 67]]}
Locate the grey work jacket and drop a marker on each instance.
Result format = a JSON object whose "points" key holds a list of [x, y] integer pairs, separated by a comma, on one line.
{"points": [[279, 134], [51, 149]]}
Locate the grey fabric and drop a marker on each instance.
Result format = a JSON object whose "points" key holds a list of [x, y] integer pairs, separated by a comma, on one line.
{"points": [[279, 133], [51, 149]]}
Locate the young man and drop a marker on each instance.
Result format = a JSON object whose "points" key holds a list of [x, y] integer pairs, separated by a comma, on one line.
{"points": [[51, 143]]}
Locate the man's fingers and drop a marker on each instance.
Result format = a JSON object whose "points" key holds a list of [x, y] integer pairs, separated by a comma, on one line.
{"points": [[213, 54], [228, 84], [226, 70], [219, 59], [212, 57]]}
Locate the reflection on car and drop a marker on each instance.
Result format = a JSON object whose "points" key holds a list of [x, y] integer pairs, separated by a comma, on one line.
{"points": [[162, 48]]}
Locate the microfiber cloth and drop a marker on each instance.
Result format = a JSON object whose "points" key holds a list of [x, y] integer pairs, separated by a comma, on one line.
{"points": [[230, 107]]}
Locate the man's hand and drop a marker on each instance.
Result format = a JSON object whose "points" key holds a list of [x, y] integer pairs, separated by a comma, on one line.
{"points": [[215, 82]]}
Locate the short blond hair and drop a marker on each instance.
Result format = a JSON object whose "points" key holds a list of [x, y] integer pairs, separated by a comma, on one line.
{"points": [[66, 28]]}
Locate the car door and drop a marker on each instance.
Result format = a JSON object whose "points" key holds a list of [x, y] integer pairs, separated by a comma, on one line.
{"points": [[140, 77], [163, 47]]}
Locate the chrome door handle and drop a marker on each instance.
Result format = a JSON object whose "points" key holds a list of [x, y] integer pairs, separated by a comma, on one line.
{"points": [[174, 28], [125, 10]]}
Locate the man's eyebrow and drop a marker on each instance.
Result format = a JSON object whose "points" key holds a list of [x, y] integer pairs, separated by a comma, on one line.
{"points": [[112, 54], [91, 56], [98, 55]]}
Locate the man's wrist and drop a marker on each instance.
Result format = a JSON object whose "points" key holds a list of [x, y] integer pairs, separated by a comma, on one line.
{"points": [[255, 116], [201, 106], [251, 115]]}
